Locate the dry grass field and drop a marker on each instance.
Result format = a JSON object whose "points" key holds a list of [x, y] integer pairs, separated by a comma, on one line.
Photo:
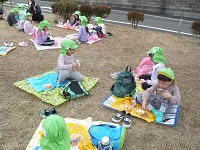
{"points": [[19, 111]]}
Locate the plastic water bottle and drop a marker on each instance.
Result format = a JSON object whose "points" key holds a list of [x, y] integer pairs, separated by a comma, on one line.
{"points": [[78, 62], [104, 144]]}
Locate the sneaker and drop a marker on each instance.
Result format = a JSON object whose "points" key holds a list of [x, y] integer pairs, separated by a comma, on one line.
{"points": [[118, 117], [77, 42], [6, 43], [127, 121], [44, 113], [114, 75], [53, 111], [10, 44], [23, 44]]}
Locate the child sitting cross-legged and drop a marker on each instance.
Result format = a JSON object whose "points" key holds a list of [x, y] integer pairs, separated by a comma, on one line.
{"points": [[11, 17], [167, 94]]}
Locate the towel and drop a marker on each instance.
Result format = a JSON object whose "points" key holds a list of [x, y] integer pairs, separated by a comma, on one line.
{"points": [[39, 83]]}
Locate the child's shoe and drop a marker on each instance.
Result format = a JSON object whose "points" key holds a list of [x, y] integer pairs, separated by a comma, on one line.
{"points": [[159, 118], [10, 44], [53, 111], [6, 43], [23, 44], [118, 117], [127, 121], [44, 113]]}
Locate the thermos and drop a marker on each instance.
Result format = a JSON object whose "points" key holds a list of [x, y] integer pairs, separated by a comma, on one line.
{"points": [[104, 144]]}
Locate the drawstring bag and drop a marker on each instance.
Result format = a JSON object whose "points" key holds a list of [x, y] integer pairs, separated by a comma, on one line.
{"points": [[74, 89]]}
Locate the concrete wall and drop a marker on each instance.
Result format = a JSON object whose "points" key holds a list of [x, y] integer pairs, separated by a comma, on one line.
{"points": [[177, 8]]}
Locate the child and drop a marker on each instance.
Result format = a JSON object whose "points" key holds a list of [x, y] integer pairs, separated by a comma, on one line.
{"points": [[55, 134], [66, 66], [28, 25], [83, 31], [42, 34], [22, 12], [156, 54], [76, 22], [1, 11], [167, 94], [100, 28], [11, 17]]}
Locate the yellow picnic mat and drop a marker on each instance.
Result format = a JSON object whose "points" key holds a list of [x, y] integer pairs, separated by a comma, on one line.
{"points": [[75, 126], [4, 50], [53, 96], [120, 104]]}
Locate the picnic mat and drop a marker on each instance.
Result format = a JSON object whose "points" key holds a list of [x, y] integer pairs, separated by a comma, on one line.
{"points": [[57, 45], [75, 126], [66, 27], [53, 96], [4, 50], [116, 103], [91, 39]]}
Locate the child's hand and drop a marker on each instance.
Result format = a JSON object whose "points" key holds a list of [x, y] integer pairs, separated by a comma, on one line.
{"points": [[133, 103], [143, 104], [166, 95], [74, 66]]}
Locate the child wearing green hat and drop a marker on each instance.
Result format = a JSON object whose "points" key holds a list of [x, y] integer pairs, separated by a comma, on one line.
{"points": [[156, 54], [76, 22], [22, 11], [42, 37], [167, 94], [11, 17], [83, 33], [67, 67], [100, 28], [1, 11], [55, 134], [28, 25]]}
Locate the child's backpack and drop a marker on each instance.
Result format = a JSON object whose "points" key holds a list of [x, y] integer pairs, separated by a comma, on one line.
{"points": [[74, 89], [144, 67], [125, 84], [116, 134], [99, 31]]}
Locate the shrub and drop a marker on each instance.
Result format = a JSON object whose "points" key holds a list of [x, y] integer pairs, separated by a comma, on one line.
{"points": [[196, 27], [101, 11], [64, 8], [3, 1], [86, 10], [135, 17]]}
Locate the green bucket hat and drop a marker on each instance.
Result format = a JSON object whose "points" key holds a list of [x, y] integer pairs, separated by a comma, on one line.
{"points": [[157, 55], [15, 10], [98, 20], [168, 73], [43, 24], [21, 7], [77, 13], [27, 15], [66, 45], [55, 134], [84, 21]]}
